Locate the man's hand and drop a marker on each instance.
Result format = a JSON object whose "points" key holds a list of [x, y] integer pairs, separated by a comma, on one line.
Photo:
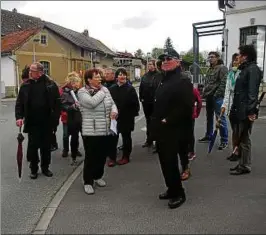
{"points": [[19, 122], [252, 117], [164, 121], [113, 115]]}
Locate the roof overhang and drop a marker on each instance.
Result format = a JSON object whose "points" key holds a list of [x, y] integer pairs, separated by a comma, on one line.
{"points": [[209, 28]]}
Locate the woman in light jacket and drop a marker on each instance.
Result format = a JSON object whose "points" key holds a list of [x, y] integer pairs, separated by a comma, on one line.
{"points": [[228, 100], [97, 109]]}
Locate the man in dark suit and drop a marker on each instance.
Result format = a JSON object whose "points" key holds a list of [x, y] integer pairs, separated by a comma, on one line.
{"points": [[171, 120], [38, 108]]}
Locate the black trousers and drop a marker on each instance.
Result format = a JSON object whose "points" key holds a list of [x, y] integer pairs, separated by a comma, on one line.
{"points": [[183, 151], [148, 110], [127, 145], [39, 138], [167, 151], [53, 138], [191, 146], [74, 140], [95, 157]]}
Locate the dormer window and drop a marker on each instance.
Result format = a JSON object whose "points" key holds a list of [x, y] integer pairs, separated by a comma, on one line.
{"points": [[44, 39]]}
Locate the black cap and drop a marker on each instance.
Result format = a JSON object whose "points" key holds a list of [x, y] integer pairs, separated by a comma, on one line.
{"points": [[169, 53]]}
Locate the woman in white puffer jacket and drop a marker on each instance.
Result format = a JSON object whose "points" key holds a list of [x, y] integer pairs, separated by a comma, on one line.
{"points": [[97, 109]]}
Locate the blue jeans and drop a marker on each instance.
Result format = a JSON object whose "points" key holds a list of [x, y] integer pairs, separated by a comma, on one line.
{"points": [[213, 106]]}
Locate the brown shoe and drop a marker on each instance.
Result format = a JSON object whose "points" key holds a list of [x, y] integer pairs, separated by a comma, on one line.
{"points": [[123, 161], [185, 174]]}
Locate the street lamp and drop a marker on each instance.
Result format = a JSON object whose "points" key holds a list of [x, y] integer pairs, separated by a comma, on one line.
{"points": [[93, 58], [35, 41]]}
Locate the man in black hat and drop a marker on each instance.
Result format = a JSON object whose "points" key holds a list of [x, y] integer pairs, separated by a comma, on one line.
{"points": [[170, 123]]}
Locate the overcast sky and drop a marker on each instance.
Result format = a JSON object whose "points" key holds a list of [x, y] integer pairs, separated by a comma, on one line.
{"points": [[130, 25]]}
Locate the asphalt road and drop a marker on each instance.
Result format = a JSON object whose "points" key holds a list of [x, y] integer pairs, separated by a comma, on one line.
{"points": [[217, 203], [23, 202]]}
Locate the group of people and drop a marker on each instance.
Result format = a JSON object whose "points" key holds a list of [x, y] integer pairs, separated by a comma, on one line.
{"points": [[233, 93], [170, 104]]}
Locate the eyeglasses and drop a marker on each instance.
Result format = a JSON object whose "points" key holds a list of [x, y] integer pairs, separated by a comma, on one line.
{"points": [[167, 58]]}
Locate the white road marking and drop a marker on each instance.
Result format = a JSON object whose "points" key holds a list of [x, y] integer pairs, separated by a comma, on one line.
{"points": [[262, 117]]}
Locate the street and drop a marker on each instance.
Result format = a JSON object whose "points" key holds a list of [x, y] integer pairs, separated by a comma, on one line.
{"points": [[22, 202], [216, 201]]}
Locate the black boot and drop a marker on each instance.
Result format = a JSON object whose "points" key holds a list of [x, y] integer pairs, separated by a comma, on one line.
{"points": [[47, 172], [176, 202], [34, 175]]}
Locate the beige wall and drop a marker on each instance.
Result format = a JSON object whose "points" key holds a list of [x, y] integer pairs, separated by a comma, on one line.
{"points": [[63, 56]]}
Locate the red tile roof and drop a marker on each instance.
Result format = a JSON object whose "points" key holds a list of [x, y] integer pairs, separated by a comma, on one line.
{"points": [[14, 40]]}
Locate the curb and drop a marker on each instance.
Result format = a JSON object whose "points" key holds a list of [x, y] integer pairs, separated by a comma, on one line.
{"points": [[50, 210]]}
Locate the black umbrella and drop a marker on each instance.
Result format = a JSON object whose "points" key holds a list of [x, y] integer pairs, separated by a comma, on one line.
{"points": [[20, 139]]}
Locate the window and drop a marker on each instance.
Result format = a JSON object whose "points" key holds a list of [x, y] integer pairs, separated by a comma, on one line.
{"points": [[86, 66], [46, 66], [255, 35], [43, 39], [82, 52]]}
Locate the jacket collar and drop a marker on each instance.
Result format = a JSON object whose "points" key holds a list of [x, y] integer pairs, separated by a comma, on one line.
{"points": [[246, 64]]}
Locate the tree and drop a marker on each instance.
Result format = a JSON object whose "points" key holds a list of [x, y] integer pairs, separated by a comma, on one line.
{"points": [[156, 52], [139, 53], [189, 57], [168, 44]]}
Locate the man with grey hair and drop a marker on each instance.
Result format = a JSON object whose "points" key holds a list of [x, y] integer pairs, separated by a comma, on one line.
{"points": [[38, 109], [109, 75]]}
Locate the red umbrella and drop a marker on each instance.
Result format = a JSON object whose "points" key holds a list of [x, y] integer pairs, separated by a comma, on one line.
{"points": [[20, 139]]}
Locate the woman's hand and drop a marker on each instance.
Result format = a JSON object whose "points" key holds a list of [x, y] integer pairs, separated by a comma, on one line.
{"points": [[222, 110], [113, 115]]}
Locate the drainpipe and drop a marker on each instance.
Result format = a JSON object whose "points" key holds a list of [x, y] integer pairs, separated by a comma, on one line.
{"points": [[17, 73]]}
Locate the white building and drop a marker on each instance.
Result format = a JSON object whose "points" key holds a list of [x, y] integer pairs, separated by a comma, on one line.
{"points": [[8, 74], [246, 24]]}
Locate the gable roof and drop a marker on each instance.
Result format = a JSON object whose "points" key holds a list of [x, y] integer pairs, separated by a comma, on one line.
{"points": [[14, 40], [79, 39], [13, 21]]}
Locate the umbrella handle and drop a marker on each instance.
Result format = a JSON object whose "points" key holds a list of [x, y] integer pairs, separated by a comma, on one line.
{"points": [[20, 129]]}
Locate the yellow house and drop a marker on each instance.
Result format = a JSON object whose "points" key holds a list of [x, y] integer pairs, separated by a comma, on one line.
{"points": [[60, 50]]}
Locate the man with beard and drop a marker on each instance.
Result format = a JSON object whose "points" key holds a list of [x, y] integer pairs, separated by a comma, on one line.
{"points": [[171, 121], [146, 96], [38, 108]]}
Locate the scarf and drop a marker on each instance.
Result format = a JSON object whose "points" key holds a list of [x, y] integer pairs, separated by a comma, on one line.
{"points": [[92, 90]]}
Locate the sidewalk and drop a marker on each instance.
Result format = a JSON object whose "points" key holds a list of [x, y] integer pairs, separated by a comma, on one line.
{"points": [[216, 202]]}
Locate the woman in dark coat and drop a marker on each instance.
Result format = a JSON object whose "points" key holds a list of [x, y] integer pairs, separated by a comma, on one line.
{"points": [[126, 100]]}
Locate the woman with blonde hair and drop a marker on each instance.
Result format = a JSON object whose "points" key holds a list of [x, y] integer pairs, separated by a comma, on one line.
{"points": [[71, 116], [97, 109]]}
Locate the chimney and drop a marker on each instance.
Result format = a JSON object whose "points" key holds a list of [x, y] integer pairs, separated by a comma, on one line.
{"points": [[86, 32], [15, 10]]}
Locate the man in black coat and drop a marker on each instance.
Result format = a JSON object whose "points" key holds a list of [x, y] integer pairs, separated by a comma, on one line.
{"points": [[171, 120], [244, 107], [38, 108], [109, 80], [146, 96]]}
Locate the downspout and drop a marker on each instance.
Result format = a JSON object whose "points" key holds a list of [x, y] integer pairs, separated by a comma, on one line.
{"points": [[17, 74]]}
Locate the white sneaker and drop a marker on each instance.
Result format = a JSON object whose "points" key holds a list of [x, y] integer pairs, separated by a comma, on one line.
{"points": [[88, 189], [100, 182]]}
